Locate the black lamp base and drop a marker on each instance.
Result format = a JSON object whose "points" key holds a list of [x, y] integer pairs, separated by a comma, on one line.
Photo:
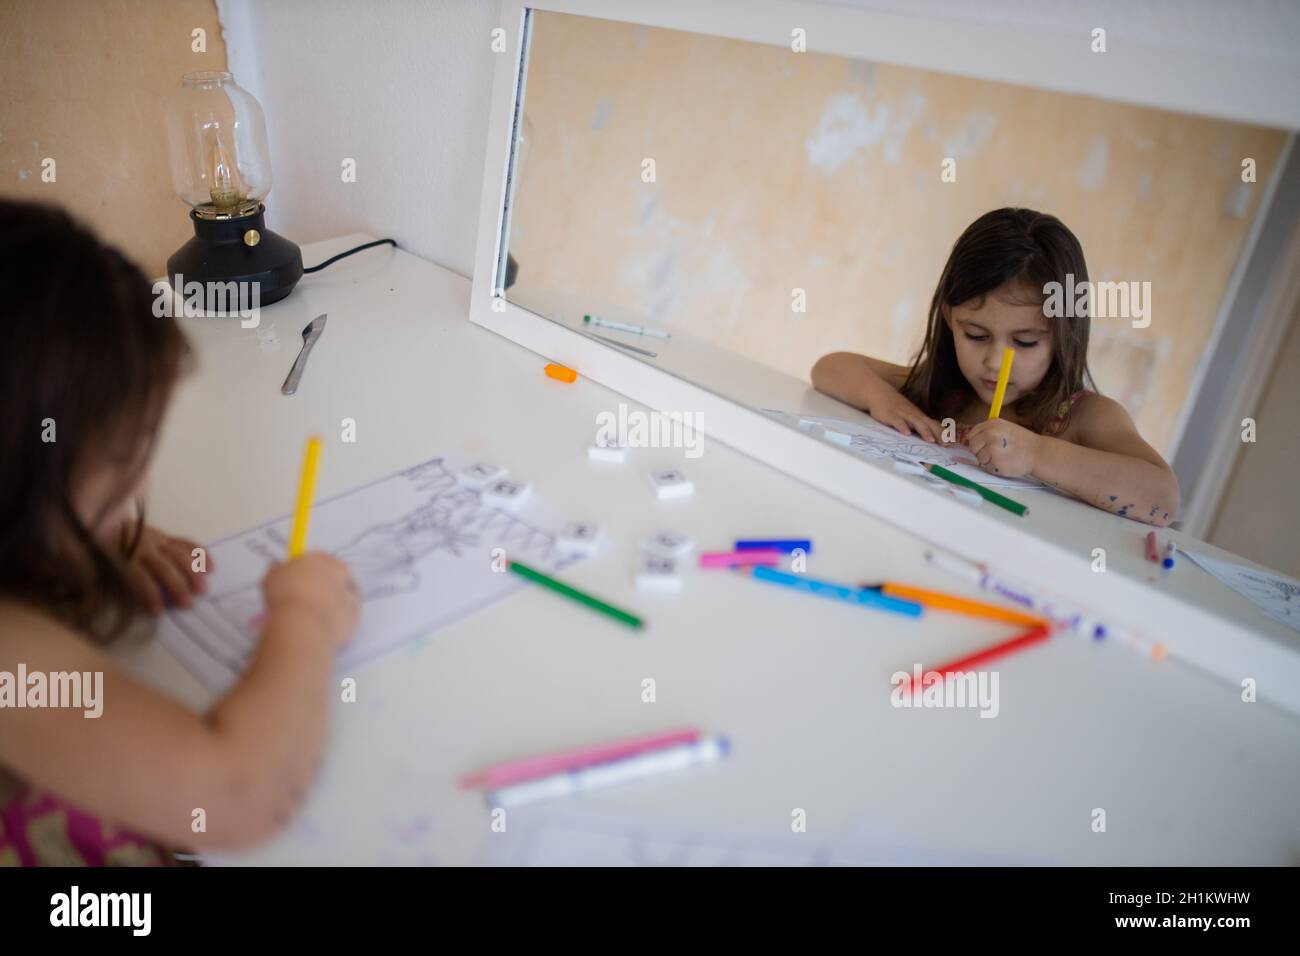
{"points": [[240, 250]]}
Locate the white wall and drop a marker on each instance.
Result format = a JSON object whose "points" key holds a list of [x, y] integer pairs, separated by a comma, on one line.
{"points": [[404, 86], [401, 86]]}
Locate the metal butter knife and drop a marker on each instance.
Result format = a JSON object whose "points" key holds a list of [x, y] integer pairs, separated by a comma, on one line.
{"points": [[310, 333]]}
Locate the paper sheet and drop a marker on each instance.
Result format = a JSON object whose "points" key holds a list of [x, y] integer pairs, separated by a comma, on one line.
{"points": [[570, 837], [874, 440], [1274, 594], [419, 546]]}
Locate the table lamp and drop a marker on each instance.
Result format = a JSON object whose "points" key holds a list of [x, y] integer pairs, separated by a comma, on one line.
{"points": [[221, 167]]}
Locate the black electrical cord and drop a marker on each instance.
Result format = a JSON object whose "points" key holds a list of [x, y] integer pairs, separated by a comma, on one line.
{"points": [[344, 255]]}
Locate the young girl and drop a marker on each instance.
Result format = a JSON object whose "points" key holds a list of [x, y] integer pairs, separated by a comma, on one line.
{"points": [[1052, 427], [86, 372]]}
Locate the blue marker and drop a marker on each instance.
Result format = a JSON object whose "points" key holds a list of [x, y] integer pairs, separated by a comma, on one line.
{"points": [[1170, 550], [865, 597], [784, 545]]}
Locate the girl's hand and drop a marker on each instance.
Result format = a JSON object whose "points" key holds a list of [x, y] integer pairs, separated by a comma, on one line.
{"points": [[892, 409], [320, 587], [161, 571], [1004, 448]]}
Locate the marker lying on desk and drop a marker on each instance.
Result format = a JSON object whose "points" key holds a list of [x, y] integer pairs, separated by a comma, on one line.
{"points": [[306, 492], [739, 559], [784, 545], [1035, 635], [1170, 551], [530, 768], [839, 592], [1061, 615], [598, 776], [988, 494], [1153, 548], [573, 594], [960, 605], [625, 327], [983, 578]]}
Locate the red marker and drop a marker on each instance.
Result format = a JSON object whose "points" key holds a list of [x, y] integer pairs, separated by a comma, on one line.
{"points": [[1029, 638], [1153, 548]]}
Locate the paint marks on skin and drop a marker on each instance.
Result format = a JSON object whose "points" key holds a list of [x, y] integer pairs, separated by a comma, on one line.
{"points": [[975, 130], [846, 126], [600, 116], [1096, 161]]}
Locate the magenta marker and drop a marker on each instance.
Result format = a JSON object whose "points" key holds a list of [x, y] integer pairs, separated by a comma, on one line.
{"points": [[739, 559]]}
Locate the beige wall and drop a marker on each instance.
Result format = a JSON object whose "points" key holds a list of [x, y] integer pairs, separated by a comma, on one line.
{"points": [[778, 170], [1257, 515], [83, 82]]}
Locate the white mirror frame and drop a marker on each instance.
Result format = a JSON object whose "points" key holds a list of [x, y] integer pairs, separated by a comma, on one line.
{"points": [[1166, 79]]}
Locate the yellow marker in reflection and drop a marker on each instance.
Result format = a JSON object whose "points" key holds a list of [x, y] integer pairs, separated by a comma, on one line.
{"points": [[306, 491], [1004, 375]]}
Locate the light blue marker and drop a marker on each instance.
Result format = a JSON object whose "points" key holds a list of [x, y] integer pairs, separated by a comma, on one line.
{"points": [[839, 592]]}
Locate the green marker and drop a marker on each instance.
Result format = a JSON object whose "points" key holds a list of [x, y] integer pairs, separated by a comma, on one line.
{"points": [[596, 604], [988, 494]]}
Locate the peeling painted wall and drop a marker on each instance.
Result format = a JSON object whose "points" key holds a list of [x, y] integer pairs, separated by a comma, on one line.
{"points": [[83, 82]]}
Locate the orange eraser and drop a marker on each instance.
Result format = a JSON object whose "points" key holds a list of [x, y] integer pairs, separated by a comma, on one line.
{"points": [[561, 373]]}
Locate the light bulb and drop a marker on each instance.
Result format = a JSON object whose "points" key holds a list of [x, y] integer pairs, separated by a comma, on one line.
{"points": [[226, 191]]}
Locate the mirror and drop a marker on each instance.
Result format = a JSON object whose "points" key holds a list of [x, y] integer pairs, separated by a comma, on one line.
{"points": [[732, 212]]}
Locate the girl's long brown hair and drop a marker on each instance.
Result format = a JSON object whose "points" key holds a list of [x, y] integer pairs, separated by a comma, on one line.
{"points": [[1005, 245], [84, 362]]}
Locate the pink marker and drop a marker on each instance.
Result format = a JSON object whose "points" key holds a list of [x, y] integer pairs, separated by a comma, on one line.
{"points": [[739, 559], [530, 768]]}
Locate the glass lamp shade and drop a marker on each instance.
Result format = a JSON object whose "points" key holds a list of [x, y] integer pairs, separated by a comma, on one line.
{"points": [[216, 134]]}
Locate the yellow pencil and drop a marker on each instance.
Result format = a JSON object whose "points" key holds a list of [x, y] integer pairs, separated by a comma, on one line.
{"points": [[1004, 375], [306, 491]]}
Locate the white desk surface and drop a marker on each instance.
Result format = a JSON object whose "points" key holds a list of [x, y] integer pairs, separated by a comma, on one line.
{"points": [[1076, 526], [1186, 772]]}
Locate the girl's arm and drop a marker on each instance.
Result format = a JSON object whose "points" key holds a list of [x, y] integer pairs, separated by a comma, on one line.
{"points": [[1107, 464], [855, 379], [1111, 467], [873, 386], [146, 763]]}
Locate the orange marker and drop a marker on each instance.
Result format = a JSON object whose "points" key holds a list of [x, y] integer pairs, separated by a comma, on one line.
{"points": [[560, 373], [951, 602]]}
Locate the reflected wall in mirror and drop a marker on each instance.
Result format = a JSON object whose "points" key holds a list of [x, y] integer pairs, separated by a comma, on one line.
{"points": [[703, 183]]}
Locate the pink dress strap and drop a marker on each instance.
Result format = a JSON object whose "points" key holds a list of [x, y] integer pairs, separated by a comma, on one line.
{"points": [[1063, 412], [39, 829]]}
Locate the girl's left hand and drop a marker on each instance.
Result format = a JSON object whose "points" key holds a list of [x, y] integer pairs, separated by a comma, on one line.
{"points": [[1004, 448], [162, 571]]}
